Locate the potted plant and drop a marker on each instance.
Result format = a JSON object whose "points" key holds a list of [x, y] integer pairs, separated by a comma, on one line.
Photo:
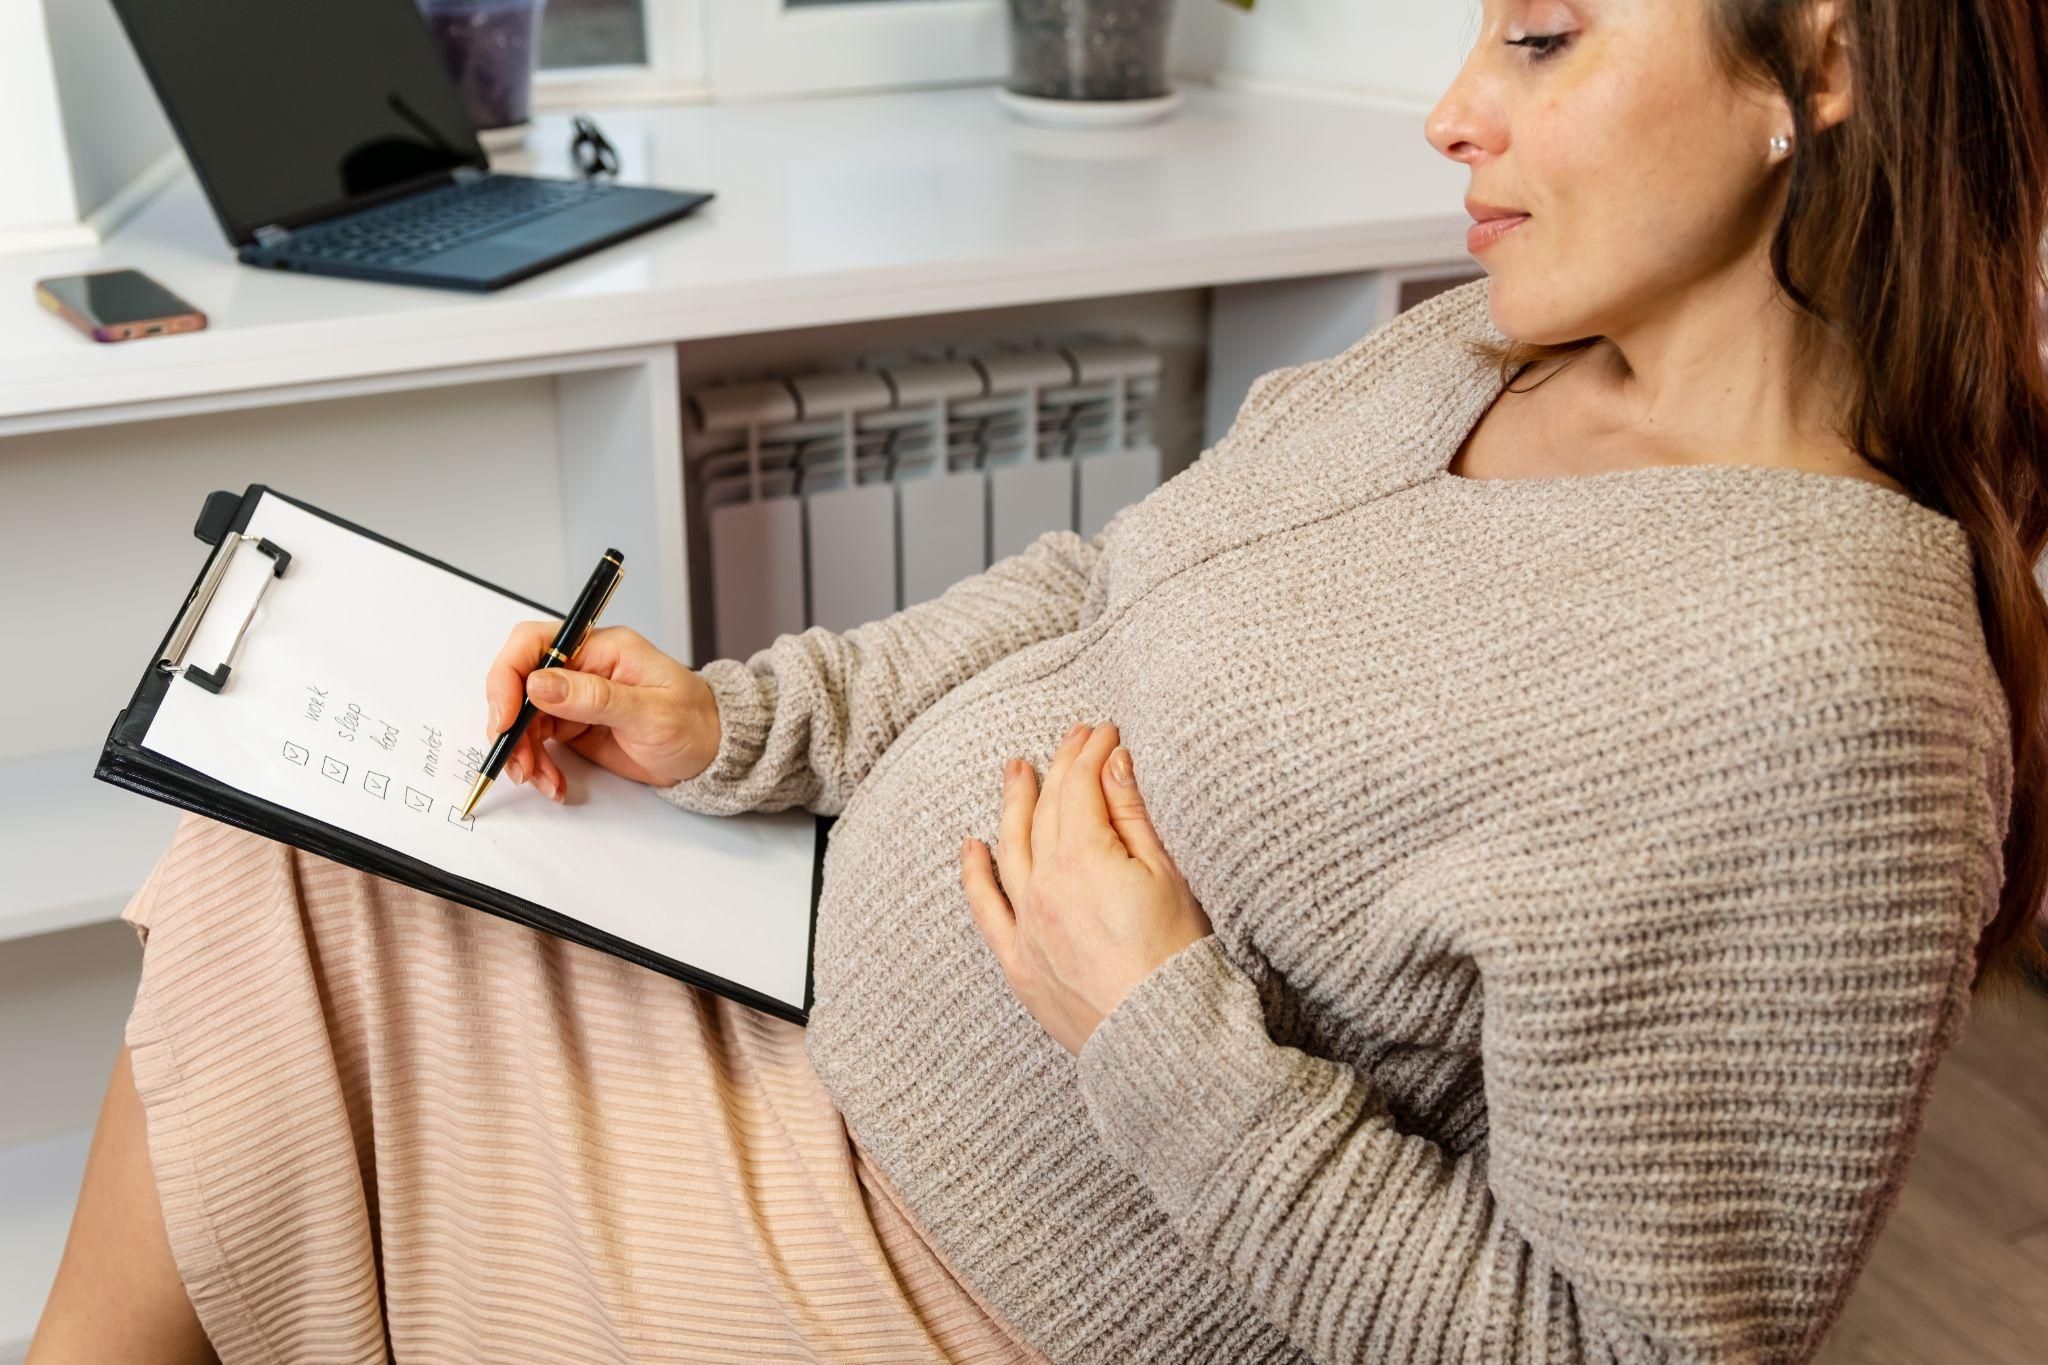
{"points": [[1087, 62]]}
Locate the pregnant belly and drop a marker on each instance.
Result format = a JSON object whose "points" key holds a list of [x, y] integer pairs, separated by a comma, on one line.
{"points": [[898, 956]]}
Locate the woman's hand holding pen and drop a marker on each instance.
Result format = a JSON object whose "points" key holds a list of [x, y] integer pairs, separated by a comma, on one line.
{"points": [[623, 704]]}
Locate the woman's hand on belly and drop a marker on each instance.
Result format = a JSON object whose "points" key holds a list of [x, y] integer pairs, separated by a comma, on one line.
{"points": [[1089, 904]]}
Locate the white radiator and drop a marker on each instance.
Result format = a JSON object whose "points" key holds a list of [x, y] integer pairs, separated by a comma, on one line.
{"points": [[836, 497]]}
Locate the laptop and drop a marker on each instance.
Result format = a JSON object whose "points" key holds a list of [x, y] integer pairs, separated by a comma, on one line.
{"points": [[329, 138]]}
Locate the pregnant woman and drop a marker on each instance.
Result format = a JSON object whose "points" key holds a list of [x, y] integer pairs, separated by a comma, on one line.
{"points": [[1494, 854]]}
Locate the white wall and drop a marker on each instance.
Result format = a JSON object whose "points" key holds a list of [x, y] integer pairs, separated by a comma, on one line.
{"points": [[1398, 49], [82, 125], [113, 124], [38, 204]]}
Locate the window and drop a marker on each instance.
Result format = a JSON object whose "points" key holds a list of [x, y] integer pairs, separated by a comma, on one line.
{"points": [[592, 33], [596, 51], [777, 47]]}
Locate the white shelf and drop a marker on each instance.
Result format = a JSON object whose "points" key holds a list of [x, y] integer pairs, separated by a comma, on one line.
{"points": [[38, 1186], [75, 848]]}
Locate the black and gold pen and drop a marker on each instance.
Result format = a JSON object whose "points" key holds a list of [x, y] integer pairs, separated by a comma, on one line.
{"points": [[590, 604]]}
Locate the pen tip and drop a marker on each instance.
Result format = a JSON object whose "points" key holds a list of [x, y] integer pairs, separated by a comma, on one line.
{"points": [[476, 792]]}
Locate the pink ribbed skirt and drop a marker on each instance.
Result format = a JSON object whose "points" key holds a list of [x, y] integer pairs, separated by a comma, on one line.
{"points": [[385, 1126]]}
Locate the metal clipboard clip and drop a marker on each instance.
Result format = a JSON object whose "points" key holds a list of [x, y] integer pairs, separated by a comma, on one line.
{"points": [[202, 597]]}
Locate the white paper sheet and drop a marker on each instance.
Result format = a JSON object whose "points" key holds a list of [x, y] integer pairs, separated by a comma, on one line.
{"points": [[357, 699]]}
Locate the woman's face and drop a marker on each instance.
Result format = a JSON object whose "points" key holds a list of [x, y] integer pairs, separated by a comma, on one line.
{"points": [[1642, 168]]}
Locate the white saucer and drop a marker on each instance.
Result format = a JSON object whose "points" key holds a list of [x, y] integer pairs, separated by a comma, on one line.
{"points": [[1087, 113]]}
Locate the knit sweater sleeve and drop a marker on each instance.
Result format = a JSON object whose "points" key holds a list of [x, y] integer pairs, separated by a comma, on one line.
{"points": [[803, 719], [1705, 1049]]}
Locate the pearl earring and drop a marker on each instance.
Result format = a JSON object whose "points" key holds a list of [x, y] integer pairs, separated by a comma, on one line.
{"points": [[1781, 144]]}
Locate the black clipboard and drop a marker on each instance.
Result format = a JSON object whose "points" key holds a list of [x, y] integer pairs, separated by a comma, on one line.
{"points": [[123, 762]]}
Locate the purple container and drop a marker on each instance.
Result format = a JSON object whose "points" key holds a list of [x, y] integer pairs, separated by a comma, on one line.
{"points": [[488, 47]]}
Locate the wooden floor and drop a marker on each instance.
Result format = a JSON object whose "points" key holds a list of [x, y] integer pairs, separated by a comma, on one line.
{"points": [[1960, 1272]]}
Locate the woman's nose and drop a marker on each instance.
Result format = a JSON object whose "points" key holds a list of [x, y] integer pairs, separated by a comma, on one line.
{"points": [[1464, 126]]}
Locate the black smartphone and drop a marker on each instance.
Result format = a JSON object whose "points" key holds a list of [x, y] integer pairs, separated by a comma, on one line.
{"points": [[117, 305]]}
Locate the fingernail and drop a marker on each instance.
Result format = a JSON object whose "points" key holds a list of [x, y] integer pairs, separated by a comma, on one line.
{"points": [[515, 770], [1120, 765], [1010, 769], [544, 684], [551, 787], [1076, 733]]}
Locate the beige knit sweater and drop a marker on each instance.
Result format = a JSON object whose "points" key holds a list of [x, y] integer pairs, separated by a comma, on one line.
{"points": [[1595, 866]]}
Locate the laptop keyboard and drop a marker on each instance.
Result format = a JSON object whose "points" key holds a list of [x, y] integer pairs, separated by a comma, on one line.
{"points": [[441, 219]]}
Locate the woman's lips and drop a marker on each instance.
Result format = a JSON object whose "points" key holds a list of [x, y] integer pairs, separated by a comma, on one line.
{"points": [[1483, 235]]}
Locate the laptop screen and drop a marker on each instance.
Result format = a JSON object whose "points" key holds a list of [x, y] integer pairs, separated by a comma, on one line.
{"points": [[290, 110]]}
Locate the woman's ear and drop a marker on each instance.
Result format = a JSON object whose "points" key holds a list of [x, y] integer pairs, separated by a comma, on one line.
{"points": [[1833, 72]]}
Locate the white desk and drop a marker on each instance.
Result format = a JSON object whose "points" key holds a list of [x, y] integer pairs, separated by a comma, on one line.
{"points": [[828, 211]]}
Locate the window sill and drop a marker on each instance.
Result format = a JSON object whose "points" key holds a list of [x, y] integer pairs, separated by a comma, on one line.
{"points": [[585, 87]]}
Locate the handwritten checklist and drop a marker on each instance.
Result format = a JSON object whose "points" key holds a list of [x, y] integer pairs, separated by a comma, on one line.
{"points": [[357, 700]]}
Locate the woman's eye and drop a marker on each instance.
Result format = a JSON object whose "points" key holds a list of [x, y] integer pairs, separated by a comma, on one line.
{"points": [[1541, 45]]}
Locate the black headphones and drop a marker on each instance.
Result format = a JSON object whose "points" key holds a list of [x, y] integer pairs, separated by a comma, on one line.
{"points": [[594, 155]]}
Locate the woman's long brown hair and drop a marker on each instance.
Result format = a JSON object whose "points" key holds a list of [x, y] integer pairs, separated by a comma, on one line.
{"points": [[1912, 245]]}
